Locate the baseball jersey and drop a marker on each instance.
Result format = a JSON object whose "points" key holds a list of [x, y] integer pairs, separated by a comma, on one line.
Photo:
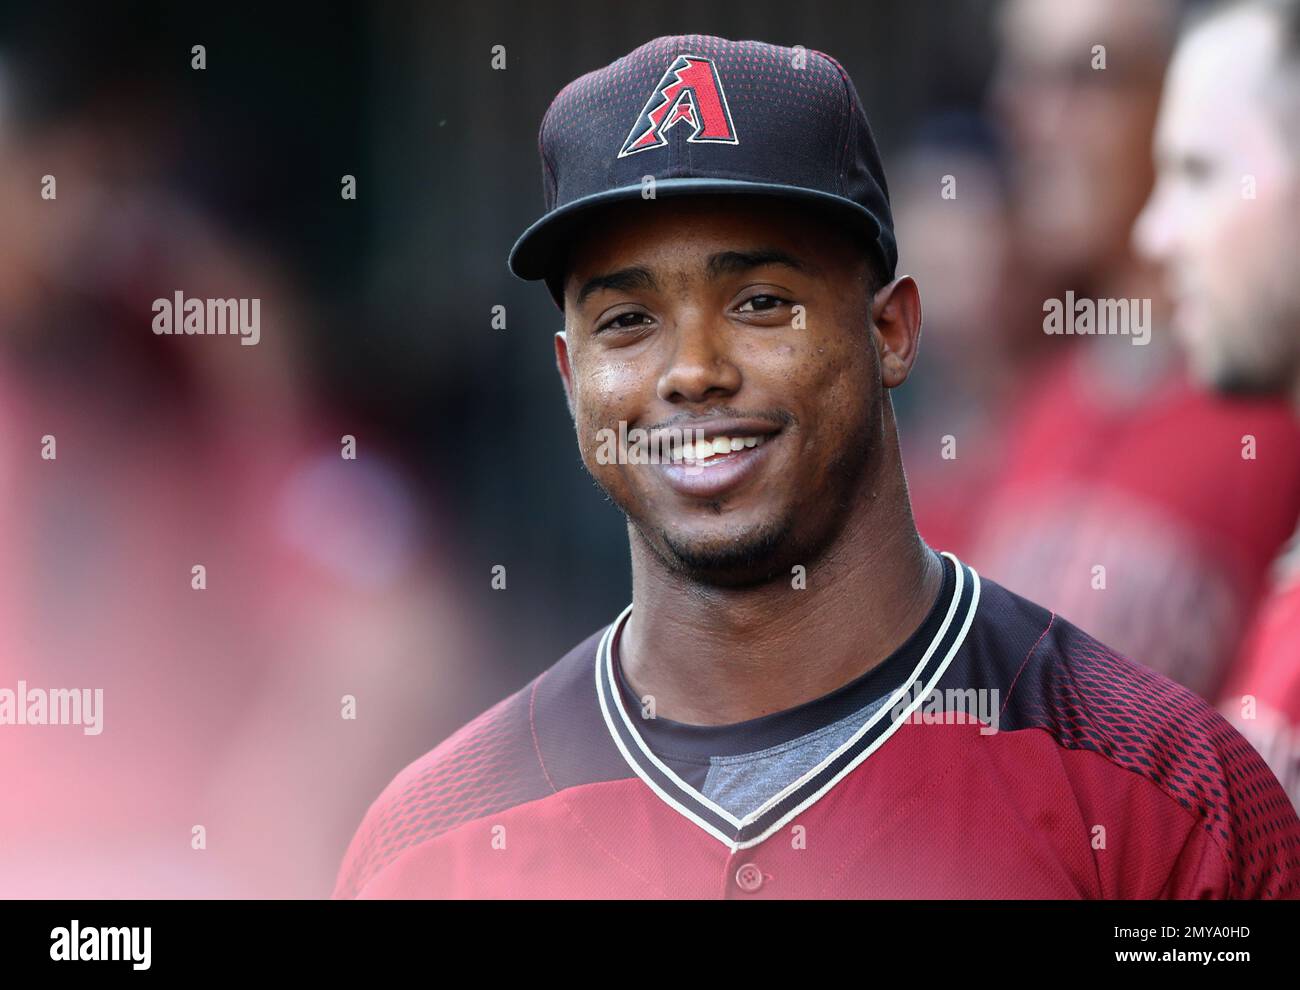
{"points": [[1013, 757], [1263, 698], [718, 760]]}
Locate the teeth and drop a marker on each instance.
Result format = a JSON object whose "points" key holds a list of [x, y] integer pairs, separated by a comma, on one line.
{"points": [[718, 445]]}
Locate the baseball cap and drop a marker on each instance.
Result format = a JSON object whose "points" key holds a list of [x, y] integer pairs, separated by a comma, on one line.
{"points": [[705, 115]]}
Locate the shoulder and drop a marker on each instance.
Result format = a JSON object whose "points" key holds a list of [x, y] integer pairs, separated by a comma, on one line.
{"points": [[1056, 678], [490, 764]]}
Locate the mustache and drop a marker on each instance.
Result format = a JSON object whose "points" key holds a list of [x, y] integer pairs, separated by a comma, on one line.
{"points": [[778, 417]]}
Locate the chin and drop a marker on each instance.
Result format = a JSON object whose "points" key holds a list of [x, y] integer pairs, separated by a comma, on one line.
{"points": [[1240, 383], [756, 556]]}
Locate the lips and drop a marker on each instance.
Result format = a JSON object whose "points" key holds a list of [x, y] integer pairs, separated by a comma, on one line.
{"points": [[718, 473]]}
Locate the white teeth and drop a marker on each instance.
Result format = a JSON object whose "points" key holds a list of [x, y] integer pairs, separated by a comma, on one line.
{"points": [[705, 450]]}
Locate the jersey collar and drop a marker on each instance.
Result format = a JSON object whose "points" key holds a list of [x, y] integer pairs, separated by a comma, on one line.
{"points": [[921, 660]]}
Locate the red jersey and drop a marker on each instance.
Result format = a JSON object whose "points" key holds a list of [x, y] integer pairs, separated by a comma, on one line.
{"points": [[1263, 697], [1147, 513], [1087, 777]]}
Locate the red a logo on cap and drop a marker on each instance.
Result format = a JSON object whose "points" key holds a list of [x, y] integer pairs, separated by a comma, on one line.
{"points": [[691, 91]]}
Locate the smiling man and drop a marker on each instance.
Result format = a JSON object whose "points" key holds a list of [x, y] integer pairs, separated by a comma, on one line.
{"points": [[802, 699]]}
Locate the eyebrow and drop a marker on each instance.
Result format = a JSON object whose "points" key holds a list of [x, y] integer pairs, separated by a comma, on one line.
{"points": [[722, 263]]}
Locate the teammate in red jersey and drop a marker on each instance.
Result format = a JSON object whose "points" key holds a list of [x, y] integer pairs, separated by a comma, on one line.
{"points": [[802, 699], [1119, 502], [1222, 219]]}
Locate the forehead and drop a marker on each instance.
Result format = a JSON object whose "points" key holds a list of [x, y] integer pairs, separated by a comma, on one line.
{"points": [[680, 234], [1053, 33], [1211, 98]]}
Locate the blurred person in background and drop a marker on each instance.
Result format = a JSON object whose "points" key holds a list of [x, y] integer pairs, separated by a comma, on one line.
{"points": [[223, 707], [953, 236], [1222, 222], [1125, 504]]}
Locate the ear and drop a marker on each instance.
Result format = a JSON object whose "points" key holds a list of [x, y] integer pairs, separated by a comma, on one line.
{"points": [[562, 365], [896, 316]]}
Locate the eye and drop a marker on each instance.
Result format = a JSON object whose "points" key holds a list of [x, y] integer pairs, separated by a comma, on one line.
{"points": [[1196, 169], [624, 321], [762, 302]]}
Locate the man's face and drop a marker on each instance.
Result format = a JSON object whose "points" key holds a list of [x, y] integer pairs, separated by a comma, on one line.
{"points": [[1080, 135], [1221, 219], [743, 317]]}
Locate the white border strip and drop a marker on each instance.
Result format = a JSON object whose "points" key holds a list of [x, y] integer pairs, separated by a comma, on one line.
{"points": [[667, 798]]}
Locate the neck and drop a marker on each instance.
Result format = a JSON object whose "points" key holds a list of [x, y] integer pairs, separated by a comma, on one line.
{"points": [[714, 656]]}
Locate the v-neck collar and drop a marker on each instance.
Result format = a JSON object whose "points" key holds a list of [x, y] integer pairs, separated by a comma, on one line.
{"points": [[921, 660]]}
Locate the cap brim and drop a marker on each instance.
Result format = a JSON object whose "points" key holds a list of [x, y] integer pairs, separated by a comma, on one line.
{"points": [[537, 253]]}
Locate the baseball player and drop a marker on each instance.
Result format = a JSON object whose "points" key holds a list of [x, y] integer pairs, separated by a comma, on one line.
{"points": [[802, 699], [1221, 220]]}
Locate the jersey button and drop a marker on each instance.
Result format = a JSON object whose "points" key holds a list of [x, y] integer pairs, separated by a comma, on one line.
{"points": [[749, 878]]}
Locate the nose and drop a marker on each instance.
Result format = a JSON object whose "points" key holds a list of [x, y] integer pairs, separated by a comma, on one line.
{"points": [[699, 366], [1154, 229]]}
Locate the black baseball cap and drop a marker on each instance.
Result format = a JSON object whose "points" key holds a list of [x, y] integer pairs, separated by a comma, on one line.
{"points": [[705, 115]]}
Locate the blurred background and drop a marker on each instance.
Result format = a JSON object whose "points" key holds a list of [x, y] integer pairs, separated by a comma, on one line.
{"points": [[371, 577]]}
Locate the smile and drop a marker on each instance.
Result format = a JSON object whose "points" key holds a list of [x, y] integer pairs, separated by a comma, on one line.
{"points": [[712, 451], [715, 466]]}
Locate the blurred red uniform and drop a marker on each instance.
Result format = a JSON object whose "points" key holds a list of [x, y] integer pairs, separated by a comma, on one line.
{"points": [[1263, 695], [1148, 480]]}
